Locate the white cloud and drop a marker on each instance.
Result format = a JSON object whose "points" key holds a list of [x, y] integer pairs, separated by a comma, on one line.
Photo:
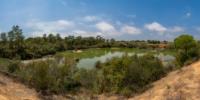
{"points": [[38, 33], [91, 18], [176, 29], [131, 30], [105, 27], [85, 33], [49, 26], [156, 27], [80, 32]]}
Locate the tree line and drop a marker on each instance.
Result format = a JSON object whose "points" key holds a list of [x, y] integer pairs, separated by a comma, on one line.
{"points": [[14, 45]]}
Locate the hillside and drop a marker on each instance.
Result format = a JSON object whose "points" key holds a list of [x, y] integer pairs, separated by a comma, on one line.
{"points": [[12, 90], [183, 84]]}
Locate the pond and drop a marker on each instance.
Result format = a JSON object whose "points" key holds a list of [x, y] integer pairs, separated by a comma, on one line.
{"points": [[89, 58], [91, 62]]}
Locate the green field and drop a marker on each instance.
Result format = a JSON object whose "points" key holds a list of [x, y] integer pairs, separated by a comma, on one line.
{"points": [[90, 53]]}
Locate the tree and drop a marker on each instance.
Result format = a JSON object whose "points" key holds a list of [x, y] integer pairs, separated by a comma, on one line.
{"points": [[45, 37], [58, 38], [51, 38], [18, 34], [70, 42], [186, 46], [185, 42], [11, 37], [3, 37], [112, 41], [15, 42]]}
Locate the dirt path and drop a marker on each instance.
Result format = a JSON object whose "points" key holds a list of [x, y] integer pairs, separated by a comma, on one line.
{"points": [[36, 60], [183, 84], [12, 90]]}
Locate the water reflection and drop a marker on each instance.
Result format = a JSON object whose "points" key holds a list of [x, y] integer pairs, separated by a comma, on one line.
{"points": [[90, 58], [90, 62]]}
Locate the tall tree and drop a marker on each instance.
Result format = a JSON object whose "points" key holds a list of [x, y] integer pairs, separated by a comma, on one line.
{"points": [[16, 41], [4, 37]]}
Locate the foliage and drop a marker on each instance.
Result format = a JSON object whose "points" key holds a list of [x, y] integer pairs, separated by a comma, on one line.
{"points": [[187, 49], [124, 75], [86, 78], [184, 42], [50, 76], [13, 66], [14, 45]]}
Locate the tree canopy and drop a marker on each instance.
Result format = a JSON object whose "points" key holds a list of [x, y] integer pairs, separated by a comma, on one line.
{"points": [[185, 42], [187, 49]]}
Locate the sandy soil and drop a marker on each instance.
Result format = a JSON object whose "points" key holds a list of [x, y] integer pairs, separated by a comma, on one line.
{"points": [[12, 90]]}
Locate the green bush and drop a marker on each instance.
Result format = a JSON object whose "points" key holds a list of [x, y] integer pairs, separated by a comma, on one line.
{"points": [[187, 49], [50, 75], [13, 66], [122, 75]]}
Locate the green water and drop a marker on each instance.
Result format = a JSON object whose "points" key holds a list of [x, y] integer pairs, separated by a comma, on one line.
{"points": [[88, 58]]}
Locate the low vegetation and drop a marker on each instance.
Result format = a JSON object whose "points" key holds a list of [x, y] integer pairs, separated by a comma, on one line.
{"points": [[47, 76], [127, 75]]}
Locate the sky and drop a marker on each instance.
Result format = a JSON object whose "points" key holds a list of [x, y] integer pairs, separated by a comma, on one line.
{"points": [[119, 19]]}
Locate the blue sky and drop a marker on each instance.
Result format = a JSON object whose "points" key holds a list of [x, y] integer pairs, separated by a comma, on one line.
{"points": [[120, 19]]}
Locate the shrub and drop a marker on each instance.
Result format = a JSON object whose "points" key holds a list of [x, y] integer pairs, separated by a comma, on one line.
{"points": [[186, 48], [13, 66], [50, 75], [122, 75]]}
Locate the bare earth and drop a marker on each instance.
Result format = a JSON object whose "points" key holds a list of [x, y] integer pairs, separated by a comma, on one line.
{"points": [[11, 90]]}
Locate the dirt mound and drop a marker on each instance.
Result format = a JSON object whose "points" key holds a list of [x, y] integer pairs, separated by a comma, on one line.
{"points": [[182, 84], [12, 90]]}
